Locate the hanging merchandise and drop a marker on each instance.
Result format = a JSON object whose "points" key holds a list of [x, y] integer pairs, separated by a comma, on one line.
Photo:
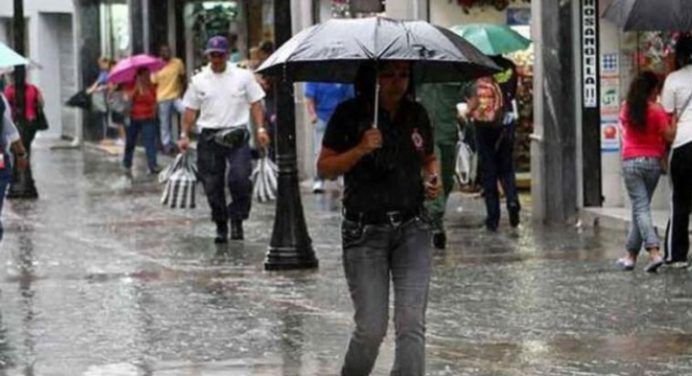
{"points": [[499, 5]]}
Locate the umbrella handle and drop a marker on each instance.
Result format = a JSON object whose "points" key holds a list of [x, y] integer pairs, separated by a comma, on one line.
{"points": [[377, 103]]}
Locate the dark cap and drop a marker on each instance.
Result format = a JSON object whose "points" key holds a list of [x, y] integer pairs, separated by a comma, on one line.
{"points": [[217, 44]]}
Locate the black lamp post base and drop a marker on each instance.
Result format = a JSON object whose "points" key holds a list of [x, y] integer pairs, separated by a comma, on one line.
{"points": [[290, 259]]}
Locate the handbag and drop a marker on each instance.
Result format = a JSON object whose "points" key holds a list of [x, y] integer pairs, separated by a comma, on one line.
{"points": [[80, 100], [40, 123], [232, 137], [118, 102]]}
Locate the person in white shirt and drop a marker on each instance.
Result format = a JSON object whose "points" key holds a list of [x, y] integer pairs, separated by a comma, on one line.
{"points": [[224, 96], [9, 139], [676, 99]]}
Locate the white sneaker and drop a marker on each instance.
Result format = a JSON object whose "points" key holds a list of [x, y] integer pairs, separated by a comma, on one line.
{"points": [[679, 265], [318, 186]]}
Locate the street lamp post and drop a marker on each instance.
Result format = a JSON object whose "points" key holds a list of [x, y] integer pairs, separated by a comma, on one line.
{"points": [[290, 246]]}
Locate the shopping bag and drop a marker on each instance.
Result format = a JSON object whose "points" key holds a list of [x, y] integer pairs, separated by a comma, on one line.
{"points": [[464, 169], [98, 102], [118, 102], [179, 191], [168, 170], [264, 179]]}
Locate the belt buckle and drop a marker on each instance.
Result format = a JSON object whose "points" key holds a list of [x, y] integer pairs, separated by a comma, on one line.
{"points": [[394, 218]]}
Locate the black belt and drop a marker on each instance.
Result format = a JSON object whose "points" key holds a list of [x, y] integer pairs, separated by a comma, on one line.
{"points": [[394, 218]]}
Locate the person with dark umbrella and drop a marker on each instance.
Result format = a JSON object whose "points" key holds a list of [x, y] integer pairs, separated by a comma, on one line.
{"points": [[225, 97], [389, 171]]}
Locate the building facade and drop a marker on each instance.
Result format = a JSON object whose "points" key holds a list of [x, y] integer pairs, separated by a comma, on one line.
{"points": [[51, 45], [571, 158]]}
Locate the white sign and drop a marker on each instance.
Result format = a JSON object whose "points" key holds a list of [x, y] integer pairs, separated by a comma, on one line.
{"points": [[590, 52]]}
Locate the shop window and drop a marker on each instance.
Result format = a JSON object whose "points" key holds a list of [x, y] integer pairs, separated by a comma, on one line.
{"points": [[115, 29], [203, 20], [524, 61]]}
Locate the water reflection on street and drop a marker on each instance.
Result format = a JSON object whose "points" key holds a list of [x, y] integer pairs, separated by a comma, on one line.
{"points": [[98, 279]]}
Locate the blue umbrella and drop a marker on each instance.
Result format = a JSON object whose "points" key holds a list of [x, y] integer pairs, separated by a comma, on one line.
{"points": [[9, 58]]}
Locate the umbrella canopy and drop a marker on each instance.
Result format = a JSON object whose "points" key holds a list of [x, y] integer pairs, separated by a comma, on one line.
{"points": [[332, 51], [652, 15], [126, 69], [492, 39], [32, 65], [9, 58]]}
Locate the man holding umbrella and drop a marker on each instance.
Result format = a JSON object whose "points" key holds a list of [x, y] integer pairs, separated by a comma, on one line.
{"points": [[224, 96]]}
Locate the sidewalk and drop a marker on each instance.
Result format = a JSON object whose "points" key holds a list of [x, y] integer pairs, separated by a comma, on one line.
{"points": [[621, 218]]}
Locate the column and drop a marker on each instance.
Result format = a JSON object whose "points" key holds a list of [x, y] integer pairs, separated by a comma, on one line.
{"points": [[554, 148]]}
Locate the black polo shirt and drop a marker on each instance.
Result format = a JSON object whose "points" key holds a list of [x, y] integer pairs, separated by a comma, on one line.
{"points": [[390, 178]]}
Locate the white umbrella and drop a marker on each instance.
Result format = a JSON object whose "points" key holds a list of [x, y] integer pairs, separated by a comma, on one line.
{"points": [[10, 58]]}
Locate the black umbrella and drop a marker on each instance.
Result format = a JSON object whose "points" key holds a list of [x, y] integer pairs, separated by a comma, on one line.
{"points": [[333, 51], [654, 15]]}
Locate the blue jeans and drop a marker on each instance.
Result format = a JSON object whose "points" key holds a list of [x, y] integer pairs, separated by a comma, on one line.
{"points": [[166, 109], [374, 254], [5, 177], [320, 127], [495, 145], [212, 160], [641, 177], [148, 129]]}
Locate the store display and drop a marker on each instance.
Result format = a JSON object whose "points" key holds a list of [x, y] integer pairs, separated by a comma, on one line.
{"points": [[499, 5]]}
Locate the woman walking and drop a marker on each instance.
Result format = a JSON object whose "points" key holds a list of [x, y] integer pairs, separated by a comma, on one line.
{"points": [[142, 119], [645, 130]]}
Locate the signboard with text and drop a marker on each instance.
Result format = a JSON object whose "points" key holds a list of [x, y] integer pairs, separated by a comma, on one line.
{"points": [[594, 141], [590, 74]]}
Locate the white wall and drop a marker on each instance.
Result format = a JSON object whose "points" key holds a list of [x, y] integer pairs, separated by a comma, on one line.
{"points": [[613, 189], [407, 10], [43, 47], [31, 7]]}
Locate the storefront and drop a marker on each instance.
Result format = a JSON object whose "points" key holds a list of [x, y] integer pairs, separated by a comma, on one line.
{"points": [[517, 15], [623, 55]]}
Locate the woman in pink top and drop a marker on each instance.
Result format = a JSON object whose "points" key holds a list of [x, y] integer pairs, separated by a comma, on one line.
{"points": [[645, 131]]}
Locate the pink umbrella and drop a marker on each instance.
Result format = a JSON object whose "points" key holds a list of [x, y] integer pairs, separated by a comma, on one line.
{"points": [[127, 68]]}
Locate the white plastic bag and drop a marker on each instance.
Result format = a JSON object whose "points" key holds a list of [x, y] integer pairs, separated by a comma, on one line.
{"points": [[265, 180], [180, 180], [464, 169]]}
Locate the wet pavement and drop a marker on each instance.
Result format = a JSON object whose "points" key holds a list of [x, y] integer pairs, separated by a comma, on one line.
{"points": [[98, 279]]}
